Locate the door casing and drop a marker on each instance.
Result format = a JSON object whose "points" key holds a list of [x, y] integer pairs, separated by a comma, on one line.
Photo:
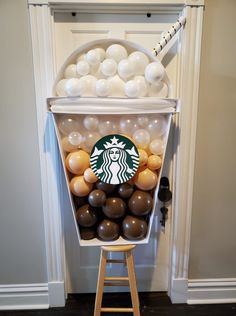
{"points": [[42, 32]]}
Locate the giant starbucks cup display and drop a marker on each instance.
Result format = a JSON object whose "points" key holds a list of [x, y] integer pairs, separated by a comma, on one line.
{"points": [[112, 112]]}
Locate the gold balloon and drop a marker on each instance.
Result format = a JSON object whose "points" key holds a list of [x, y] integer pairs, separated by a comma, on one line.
{"points": [[90, 176], [143, 157], [77, 162], [80, 187], [145, 179], [67, 146], [154, 162]]}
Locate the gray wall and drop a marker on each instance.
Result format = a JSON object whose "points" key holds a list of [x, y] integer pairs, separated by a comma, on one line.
{"points": [[213, 235], [22, 245]]}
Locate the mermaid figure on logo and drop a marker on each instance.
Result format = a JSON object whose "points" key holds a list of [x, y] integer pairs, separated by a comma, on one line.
{"points": [[114, 168]]}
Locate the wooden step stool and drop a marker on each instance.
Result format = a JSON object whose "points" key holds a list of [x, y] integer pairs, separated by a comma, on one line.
{"points": [[117, 281]]}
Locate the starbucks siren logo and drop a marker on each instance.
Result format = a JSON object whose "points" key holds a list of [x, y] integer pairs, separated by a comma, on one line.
{"points": [[114, 159]]}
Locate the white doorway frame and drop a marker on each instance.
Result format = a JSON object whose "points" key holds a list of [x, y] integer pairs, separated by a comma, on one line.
{"points": [[42, 32]]}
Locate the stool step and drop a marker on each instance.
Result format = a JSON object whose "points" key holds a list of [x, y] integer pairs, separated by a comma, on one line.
{"points": [[116, 310], [116, 278]]}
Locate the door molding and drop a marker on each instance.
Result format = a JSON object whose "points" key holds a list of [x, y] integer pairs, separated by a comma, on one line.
{"points": [[42, 32]]}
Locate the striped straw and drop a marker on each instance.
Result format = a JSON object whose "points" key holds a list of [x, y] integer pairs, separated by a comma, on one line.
{"points": [[169, 35]]}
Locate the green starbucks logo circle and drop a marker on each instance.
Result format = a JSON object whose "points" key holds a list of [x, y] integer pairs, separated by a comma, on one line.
{"points": [[114, 159]]}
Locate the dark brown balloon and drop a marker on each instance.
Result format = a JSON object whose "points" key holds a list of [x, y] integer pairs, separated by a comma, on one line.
{"points": [[108, 230], [106, 187], [140, 203], [134, 228], [87, 233], [97, 198], [79, 201], [114, 207], [86, 216], [125, 190]]}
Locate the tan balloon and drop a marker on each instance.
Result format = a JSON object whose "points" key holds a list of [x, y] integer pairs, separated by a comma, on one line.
{"points": [[67, 146], [80, 187], [154, 162], [143, 157], [145, 179], [90, 176], [77, 162], [127, 136]]}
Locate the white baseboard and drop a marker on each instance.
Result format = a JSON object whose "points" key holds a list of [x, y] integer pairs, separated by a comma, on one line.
{"points": [[178, 291], [211, 291], [24, 296]]}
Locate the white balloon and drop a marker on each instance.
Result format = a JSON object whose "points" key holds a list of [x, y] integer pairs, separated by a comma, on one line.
{"points": [[70, 71], [157, 126], [154, 72], [82, 67], [160, 90], [125, 69], [117, 86], [91, 122], [128, 125], [93, 57], [139, 61], [67, 146], [94, 70], [141, 137], [103, 88], [75, 138], [109, 67], [61, 88], [116, 52], [107, 127], [101, 53], [131, 89], [143, 120], [142, 86], [157, 147], [81, 57], [68, 124], [73, 87], [89, 140], [87, 86]]}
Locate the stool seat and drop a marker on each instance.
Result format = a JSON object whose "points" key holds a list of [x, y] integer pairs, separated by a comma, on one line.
{"points": [[118, 248], [104, 280]]}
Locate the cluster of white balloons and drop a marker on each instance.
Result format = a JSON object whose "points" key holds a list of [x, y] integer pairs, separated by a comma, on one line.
{"points": [[113, 73], [83, 131]]}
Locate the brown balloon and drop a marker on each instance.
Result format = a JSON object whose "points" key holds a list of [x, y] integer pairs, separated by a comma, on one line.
{"points": [[114, 207], [86, 216], [87, 233], [97, 198], [134, 228], [140, 203], [79, 201], [106, 187], [108, 230], [125, 190]]}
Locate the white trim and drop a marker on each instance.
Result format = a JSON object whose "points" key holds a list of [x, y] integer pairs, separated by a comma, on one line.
{"points": [[43, 63], [185, 144], [56, 291], [179, 289], [24, 296], [120, 2], [212, 291]]}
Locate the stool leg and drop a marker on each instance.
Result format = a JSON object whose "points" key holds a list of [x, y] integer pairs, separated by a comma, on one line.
{"points": [[132, 283], [100, 284]]}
